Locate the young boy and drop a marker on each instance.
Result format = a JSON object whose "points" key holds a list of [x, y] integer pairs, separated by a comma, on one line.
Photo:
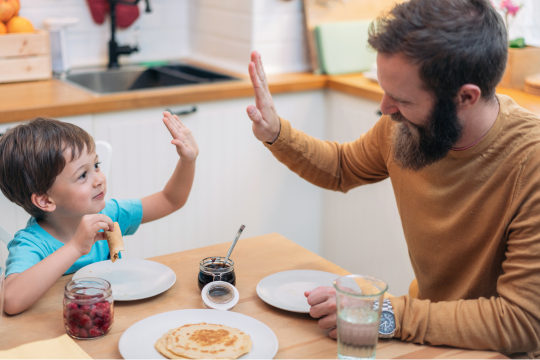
{"points": [[50, 168]]}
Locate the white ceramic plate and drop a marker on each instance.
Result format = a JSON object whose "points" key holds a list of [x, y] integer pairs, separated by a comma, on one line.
{"points": [[285, 290], [131, 279], [138, 340]]}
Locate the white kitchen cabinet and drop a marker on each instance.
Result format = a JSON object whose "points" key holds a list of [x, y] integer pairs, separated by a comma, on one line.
{"points": [[13, 217], [237, 179], [361, 229]]}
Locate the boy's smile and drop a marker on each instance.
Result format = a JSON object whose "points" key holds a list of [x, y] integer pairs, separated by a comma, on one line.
{"points": [[80, 188]]}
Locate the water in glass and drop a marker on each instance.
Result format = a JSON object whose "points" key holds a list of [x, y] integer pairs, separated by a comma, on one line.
{"points": [[357, 333]]}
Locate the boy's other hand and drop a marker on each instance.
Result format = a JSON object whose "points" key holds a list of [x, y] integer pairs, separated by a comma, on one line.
{"points": [[266, 125], [88, 231], [183, 139]]}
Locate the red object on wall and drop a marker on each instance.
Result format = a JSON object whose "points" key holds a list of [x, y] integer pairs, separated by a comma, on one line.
{"points": [[98, 9], [125, 14]]}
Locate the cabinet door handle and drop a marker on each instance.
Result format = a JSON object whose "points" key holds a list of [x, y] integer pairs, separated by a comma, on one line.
{"points": [[185, 112]]}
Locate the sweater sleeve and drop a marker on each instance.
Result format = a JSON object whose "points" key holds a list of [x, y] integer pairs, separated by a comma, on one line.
{"points": [[331, 165], [509, 322]]}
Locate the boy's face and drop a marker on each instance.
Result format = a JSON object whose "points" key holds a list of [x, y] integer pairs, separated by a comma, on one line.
{"points": [[80, 188]]}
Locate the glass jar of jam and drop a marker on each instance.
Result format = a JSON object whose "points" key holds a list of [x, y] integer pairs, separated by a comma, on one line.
{"points": [[213, 269], [88, 308]]}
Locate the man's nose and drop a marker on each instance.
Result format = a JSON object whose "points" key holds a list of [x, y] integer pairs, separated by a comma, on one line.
{"points": [[388, 105]]}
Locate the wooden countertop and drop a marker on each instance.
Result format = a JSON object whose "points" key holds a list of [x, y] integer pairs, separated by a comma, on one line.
{"points": [[23, 101], [298, 334]]}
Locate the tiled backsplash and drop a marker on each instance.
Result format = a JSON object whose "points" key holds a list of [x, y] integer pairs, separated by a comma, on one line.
{"points": [[221, 33]]}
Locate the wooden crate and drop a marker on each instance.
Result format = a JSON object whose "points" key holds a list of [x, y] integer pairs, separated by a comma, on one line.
{"points": [[25, 57], [521, 63]]}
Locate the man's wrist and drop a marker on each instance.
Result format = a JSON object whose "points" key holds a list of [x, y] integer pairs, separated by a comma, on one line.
{"points": [[277, 136]]}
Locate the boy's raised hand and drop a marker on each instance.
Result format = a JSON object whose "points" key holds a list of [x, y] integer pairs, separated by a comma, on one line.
{"points": [[88, 231], [186, 146]]}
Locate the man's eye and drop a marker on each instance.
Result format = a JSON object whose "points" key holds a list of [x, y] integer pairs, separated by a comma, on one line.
{"points": [[83, 176], [96, 165]]}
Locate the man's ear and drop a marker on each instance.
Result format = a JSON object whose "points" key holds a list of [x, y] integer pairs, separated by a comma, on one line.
{"points": [[468, 96], [43, 202]]}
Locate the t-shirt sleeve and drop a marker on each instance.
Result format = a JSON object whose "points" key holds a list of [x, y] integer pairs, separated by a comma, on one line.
{"points": [[23, 254], [128, 213]]}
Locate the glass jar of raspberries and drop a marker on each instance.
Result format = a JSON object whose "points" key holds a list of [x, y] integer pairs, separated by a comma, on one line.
{"points": [[88, 308]]}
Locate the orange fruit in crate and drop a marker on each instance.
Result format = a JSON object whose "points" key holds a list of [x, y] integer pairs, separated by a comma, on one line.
{"points": [[7, 10], [19, 24], [3, 28]]}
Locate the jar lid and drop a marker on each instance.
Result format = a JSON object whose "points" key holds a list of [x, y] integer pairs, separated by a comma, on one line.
{"points": [[220, 295]]}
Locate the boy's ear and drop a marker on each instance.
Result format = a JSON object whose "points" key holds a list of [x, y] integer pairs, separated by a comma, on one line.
{"points": [[43, 202]]}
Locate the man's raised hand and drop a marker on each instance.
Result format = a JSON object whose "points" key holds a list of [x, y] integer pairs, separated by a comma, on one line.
{"points": [[266, 125]]}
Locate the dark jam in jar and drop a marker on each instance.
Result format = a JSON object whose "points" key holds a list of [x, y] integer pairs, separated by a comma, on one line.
{"points": [[213, 269]]}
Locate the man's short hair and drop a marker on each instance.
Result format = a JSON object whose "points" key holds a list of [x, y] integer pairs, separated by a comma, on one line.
{"points": [[455, 42], [33, 154]]}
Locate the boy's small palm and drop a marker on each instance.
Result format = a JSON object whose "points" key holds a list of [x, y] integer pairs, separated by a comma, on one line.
{"points": [[183, 139]]}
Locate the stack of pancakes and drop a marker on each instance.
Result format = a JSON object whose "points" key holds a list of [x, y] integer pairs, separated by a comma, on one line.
{"points": [[204, 341], [532, 84]]}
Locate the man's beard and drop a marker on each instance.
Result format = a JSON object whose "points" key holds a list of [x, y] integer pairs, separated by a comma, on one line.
{"points": [[423, 145]]}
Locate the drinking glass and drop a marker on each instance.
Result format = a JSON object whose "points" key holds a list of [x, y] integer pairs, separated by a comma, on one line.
{"points": [[358, 315]]}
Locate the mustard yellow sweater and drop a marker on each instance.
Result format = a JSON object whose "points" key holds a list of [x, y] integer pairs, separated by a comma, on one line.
{"points": [[471, 221]]}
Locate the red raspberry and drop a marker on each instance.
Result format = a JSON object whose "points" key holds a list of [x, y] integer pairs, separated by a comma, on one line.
{"points": [[95, 332], [85, 322], [106, 317], [93, 313], [75, 314], [98, 322], [86, 308], [74, 330], [73, 324], [83, 333], [106, 327], [72, 306]]}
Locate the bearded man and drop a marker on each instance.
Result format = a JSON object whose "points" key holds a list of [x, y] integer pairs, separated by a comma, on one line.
{"points": [[465, 168]]}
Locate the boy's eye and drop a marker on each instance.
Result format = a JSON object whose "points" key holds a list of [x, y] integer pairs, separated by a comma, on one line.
{"points": [[96, 165], [83, 175]]}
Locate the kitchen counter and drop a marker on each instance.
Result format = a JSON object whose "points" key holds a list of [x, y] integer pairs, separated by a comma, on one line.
{"points": [[22, 101]]}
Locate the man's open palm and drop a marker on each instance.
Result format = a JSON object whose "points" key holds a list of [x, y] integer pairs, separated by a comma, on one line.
{"points": [[266, 125]]}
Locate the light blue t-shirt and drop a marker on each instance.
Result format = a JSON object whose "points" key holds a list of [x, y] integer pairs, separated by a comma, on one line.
{"points": [[33, 244]]}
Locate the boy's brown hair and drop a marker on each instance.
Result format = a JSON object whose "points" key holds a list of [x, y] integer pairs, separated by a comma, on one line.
{"points": [[32, 156]]}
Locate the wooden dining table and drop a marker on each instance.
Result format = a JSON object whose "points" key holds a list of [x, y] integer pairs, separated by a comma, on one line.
{"points": [[254, 258]]}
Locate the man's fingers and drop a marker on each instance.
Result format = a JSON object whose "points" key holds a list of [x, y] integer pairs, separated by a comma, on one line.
{"points": [[258, 87], [328, 322], [323, 309], [333, 333], [320, 294], [261, 72], [254, 114]]}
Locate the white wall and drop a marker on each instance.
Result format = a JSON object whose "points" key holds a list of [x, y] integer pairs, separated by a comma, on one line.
{"points": [[527, 22], [163, 33]]}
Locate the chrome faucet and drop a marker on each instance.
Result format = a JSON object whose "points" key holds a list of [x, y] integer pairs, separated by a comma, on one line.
{"points": [[116, 50]]}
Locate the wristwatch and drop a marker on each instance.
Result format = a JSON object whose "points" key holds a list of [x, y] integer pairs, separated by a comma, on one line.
{"points": [[387, 328]]}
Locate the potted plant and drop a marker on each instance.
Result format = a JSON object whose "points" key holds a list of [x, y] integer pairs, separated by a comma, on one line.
{"points": [[523, 60]]}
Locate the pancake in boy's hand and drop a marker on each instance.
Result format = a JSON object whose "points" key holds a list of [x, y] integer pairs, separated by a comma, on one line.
{"points": [[206, 341], [114, 239]]}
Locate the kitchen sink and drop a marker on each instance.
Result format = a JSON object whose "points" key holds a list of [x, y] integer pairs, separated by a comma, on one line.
{"points": [[131, 78]]}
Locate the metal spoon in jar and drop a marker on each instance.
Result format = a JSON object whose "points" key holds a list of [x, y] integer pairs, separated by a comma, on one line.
{"points": [[234, 243]]}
